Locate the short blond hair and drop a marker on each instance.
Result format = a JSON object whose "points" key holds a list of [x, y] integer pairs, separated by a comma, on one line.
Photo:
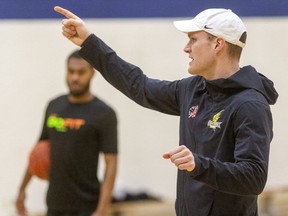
{"points": [[234, 51]]}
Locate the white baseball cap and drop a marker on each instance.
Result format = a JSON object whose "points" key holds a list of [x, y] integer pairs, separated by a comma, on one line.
{"points": [[218, 22]]}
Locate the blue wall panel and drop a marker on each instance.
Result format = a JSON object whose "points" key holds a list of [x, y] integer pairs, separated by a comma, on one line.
{"points": [[34, 9]]}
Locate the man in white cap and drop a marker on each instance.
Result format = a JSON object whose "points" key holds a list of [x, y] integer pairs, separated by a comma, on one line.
{"points": [[225, 117]]}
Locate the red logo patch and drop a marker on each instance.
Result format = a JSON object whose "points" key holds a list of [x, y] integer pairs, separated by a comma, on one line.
{"points": [[193, 111]]}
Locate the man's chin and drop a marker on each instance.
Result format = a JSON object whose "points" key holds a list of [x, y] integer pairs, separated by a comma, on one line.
{"points": [[192, 72], [77, 93]]}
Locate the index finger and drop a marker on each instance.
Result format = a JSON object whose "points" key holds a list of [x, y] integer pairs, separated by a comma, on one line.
{"points": [[176, 150], [166, 156], [65, 12]]}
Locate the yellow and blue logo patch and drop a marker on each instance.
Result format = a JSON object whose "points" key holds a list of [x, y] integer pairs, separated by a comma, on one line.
{"points": [[215, 123]]}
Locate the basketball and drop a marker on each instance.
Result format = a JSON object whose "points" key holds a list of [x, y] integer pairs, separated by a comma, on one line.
{"points": [[39, 160]]}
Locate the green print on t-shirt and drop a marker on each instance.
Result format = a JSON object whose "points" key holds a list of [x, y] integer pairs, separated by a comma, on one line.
{"points": [[63, 124]]}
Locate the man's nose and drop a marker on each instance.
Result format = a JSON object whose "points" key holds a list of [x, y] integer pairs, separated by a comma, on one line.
{"points": [[187, 48], [75, 76]]}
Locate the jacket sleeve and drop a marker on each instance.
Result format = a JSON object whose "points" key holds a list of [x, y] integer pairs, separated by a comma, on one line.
{"points": [[247, 175], [129, 79]]}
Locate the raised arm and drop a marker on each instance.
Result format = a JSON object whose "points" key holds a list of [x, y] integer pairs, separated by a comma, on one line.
{"points": [[128, 78]]}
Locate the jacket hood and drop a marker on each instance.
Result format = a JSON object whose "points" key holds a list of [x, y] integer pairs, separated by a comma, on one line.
{"points": [[248, 78]]}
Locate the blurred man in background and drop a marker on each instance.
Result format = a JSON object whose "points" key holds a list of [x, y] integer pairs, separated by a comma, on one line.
{"points": [[74, 188]]}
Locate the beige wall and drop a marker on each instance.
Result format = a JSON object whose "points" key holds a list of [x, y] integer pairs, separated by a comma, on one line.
{"points": [[32, 72]]}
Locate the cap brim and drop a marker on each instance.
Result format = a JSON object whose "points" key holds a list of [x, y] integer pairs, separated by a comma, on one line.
{"points": [[186, 26]]}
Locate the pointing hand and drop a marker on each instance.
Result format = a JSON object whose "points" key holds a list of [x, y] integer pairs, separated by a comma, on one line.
{"points": [[73, 28]]}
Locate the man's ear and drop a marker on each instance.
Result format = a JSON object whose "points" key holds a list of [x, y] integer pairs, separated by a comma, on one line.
{"points": [[94, 72], [219, 44]]}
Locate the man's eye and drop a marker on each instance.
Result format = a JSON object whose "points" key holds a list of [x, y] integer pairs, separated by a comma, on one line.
{"points": [[81, 72]]}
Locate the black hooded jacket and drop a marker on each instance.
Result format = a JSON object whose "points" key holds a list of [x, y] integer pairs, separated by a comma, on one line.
{"points": [[226, 123]]}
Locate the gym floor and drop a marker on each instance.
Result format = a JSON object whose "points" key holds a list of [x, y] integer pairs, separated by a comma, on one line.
{"points": [[272, 202]]}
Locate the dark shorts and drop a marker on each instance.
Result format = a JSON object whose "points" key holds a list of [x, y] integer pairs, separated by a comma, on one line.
{"points": [[69, 213]]}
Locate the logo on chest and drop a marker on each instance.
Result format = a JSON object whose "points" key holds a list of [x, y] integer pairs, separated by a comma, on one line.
{"points": [[63, 124], [193, 111], [215, 123]]}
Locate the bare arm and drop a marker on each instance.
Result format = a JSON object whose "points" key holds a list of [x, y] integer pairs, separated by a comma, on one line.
{"points": [[108, 184], [20, 205]]}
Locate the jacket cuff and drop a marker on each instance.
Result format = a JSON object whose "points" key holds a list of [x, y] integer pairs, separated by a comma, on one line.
{"points": [[197, 169], [87, 40]]}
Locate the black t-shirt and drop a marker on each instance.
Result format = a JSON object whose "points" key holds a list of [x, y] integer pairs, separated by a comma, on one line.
{"points": [[78, 133]]}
